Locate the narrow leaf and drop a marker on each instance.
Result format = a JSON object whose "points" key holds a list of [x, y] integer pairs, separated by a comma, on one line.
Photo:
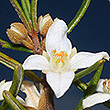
{"points": [[12, 46], [79, 15], [16, 82], [91, 87], [12, 102], [94, 81], [26, 9], [88, 70], [34, 14], [80, 85], [21, 14], [11, 63], [28, 5]]}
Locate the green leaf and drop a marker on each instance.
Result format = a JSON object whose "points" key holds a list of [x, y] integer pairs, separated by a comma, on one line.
{"points": [[12, 102], [32, 76], [13, 46], [28, 5], [91, 87], [11, 63], [88, 70], [17, 78], [80, 85], [33, 14], [79, 15], [21, 14], [80, 107], [93, 82], [26, 8]]}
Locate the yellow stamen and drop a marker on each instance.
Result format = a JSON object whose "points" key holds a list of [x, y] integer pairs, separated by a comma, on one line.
{"points": [[54, 51], [65, 54], [60, 60], [57, 55]]}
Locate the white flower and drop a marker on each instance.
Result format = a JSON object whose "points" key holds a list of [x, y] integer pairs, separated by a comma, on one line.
{"points": [[60, 61], [103, 89], [28, 87], [4, 86]]}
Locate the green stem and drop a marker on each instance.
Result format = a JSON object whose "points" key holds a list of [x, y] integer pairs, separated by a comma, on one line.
{"points": [[79, 15], [12, 46]]}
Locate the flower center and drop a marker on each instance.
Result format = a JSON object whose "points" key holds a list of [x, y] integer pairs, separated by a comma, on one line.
{"points": [[106, 86], [59, 61], [59, 55]]}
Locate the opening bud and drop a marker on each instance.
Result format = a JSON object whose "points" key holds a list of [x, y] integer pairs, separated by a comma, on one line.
{"points": [[44, 23], [18, 34]]}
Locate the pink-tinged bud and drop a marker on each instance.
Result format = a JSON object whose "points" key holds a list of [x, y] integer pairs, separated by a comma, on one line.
{"points": [[44, 23], [18, 34]]}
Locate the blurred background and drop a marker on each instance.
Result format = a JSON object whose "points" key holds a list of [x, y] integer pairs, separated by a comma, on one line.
{"points": [[91, 34]]}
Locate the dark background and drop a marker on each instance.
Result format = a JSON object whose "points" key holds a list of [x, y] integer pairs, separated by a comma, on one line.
{"points": [[91, 34]]}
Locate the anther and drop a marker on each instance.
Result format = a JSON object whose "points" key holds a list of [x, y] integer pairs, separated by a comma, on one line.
{"points": [[60, 60], [54, 51]]}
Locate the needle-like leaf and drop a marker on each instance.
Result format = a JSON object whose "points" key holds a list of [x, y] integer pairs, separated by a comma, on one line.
{"points": [[21, 14], [13, 46], [25, 6], [33, 14], [79, 15], [17, 79], [12, 101], [89, 70]]}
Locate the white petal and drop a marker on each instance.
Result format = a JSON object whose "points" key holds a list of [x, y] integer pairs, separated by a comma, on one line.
{"points": [[2, 82], [36, 62], [60, 82], [95, 99], [73, 52], [100, 86], [5, 86], [32, 94], [86, 59], [56, 37], [21, 100]]}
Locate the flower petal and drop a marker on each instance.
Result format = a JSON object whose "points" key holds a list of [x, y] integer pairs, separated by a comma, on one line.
{"points": [[36, 62], [86, 59], [56, 37], [60, 82], [95, 99], [4, 86], [32, 94], [100, 86]]}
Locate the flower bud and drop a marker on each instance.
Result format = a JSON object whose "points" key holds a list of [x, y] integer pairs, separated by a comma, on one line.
{"points": [[17, 31], [18, 34], [44, 23]]}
